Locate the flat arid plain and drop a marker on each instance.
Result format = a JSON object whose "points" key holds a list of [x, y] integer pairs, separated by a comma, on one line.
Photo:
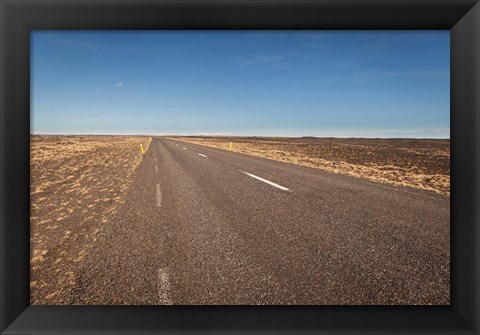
{"points": [[239, 220], [417, 163], [77, 182]]}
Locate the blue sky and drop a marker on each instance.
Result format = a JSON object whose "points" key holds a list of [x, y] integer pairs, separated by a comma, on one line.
{"points": [[272, 83]]}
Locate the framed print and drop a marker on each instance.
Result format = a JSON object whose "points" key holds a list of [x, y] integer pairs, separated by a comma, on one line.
{"points": [[240, 166]]}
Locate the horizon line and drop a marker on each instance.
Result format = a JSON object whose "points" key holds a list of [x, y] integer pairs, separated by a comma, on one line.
{"points": [[219, 135]]}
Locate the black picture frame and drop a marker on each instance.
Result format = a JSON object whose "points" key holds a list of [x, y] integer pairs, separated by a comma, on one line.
{"points": [[19, 17]]}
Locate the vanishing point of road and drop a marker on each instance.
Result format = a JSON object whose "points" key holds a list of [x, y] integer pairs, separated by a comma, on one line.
{"points": [[207, 226]]}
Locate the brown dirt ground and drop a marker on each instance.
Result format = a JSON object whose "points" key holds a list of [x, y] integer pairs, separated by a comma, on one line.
{"points": [[419, 163], [76, 182]]}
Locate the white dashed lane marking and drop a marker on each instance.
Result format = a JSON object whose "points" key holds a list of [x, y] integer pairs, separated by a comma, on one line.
{"points": [[159, 196], [202, 155], [266, 181], [156, 168], [163, 281]]}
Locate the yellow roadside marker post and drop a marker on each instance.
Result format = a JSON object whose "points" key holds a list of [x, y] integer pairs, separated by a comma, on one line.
{"points": [[141, 148], [230, 146]]}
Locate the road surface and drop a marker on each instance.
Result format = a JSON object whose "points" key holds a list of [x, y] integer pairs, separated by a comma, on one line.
{"points": [[206, 226]]}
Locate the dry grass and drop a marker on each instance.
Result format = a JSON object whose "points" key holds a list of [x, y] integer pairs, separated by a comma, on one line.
{"points": [[423, 164], [76, 182]]}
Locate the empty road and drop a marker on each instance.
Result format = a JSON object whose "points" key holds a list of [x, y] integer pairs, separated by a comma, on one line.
{"points": [[207, 226]]}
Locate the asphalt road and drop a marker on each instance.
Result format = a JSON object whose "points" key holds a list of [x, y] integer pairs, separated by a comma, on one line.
{"points": [[207, 226]]}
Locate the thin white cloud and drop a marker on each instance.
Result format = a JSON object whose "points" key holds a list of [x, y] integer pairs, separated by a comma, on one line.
{"points": [[417, 133], [315, 40], [390, 74], [272, 61], [119, 84]]}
